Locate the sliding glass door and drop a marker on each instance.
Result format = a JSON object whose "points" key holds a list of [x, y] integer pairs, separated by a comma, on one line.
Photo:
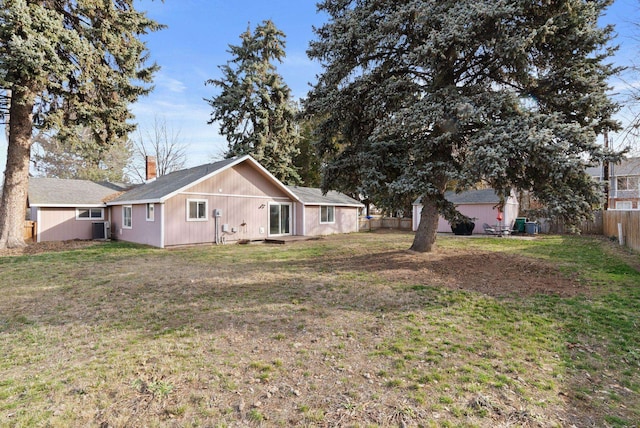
{"points": [[279, 219]]}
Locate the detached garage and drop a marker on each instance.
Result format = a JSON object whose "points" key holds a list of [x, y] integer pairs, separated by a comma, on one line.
{"points": [[479, 205]]}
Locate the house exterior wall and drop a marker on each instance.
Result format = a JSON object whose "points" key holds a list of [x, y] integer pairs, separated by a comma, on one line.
{"points": [[60, 224], [346, 221], [142, 231], [242, 194], [629, 197], [482, 213]]}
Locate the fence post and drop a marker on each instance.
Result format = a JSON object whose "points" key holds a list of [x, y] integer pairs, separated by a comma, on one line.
{"points": [[620, 236]]}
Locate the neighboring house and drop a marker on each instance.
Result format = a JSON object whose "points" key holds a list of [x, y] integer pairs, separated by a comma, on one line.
{"points": [[479, 205], [624, 183], [230, 200]]}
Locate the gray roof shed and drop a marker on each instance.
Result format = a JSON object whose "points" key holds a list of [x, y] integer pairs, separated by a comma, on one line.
{"points": [[480, 196]]}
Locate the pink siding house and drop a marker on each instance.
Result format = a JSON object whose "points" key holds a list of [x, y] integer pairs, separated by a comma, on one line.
{"points": [[479, 205], [231, 200], [324, 214], [66, 209]]}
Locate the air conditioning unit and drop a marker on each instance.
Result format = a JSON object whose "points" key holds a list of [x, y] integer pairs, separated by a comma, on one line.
{"points": [[101, 230]]}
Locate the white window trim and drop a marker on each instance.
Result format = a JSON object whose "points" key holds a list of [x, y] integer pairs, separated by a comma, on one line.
{"points": [[124, 226], [206, 209], [89, 218], [627, 187], [619, 204], [153, 211], [334, 214]]}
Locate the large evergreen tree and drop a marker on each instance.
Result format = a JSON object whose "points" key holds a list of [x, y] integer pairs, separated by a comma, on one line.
{"points": [[307, 160], [66, 63], [417, 95], [254, 106]]}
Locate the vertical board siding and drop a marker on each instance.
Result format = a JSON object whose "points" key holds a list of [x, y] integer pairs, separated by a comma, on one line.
{"points": [[142, 231], [242, 193], [346, 221], [479, 213], [60, 224], [241, 180], [249, 218], [630, 222]]}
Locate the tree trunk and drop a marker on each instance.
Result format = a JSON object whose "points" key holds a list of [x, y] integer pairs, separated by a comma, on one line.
{"points": [[16, 179], [425, 237]]}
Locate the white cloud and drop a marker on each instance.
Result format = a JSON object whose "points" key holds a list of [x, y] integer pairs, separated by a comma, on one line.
{"points": [[164, 82]]}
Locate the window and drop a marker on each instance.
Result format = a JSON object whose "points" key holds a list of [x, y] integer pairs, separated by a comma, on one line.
{"points": [[150, 209], [624, 205], [126, 217], [90, 213], [627, 183], [327, 214], [196, 210]]}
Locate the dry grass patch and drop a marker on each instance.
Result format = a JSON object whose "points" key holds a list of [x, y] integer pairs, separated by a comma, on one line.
{"points": [[348, 330]]}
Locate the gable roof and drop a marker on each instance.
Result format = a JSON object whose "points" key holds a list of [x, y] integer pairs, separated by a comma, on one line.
{"points": [[57, 192], [313, 196], [166, 186], [479, 197], [74, 193]]}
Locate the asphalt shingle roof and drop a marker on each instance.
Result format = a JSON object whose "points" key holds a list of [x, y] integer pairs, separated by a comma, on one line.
{"points": [[310, 196], [62, 192], [59, 192], [481, 196]]}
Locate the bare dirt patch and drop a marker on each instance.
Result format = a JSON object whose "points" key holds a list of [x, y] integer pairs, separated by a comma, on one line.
{"points": [[497, 274], [47, 247]]}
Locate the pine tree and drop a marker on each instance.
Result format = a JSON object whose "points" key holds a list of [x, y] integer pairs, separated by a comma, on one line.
{"points": [[66, 63], [254, 105], [307, 161], [418, 95]]}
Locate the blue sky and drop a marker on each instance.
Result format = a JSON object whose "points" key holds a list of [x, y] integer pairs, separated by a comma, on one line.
{"points": [[195, 43], [199, 32]]}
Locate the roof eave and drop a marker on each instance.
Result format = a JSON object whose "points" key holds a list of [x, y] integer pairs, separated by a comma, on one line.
{"points": [[78, 205], [135, 202], [332, 204]]}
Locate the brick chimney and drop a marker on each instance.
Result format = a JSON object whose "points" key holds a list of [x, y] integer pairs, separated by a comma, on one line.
{"points": [[150, 167]]}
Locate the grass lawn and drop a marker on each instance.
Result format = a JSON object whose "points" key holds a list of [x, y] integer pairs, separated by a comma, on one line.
{"points": [[348, 330]]}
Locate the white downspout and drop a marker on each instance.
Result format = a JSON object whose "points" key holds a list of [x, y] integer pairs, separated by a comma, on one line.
{"points": [[161, 225], [38, 224]]}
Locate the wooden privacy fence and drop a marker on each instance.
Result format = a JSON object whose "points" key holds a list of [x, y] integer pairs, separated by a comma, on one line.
{"points": [[29, 231], [376, 223], [591, 227], [624, 225]]}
